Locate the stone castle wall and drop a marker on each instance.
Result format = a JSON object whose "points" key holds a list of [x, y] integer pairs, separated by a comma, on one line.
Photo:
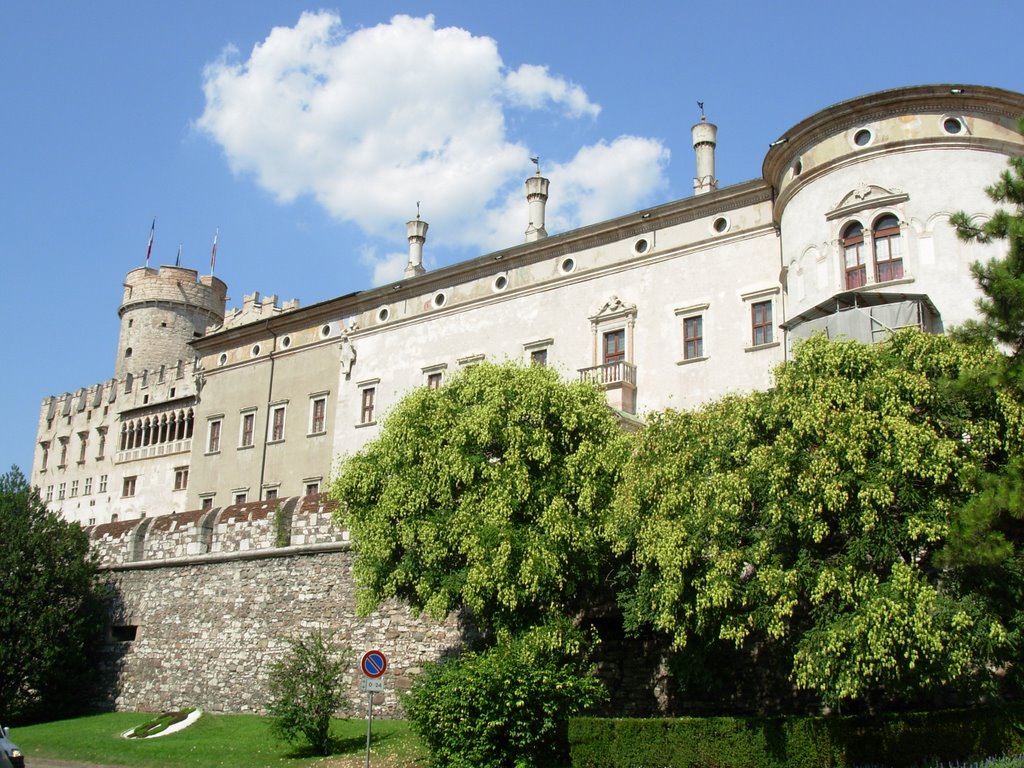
{"points": [[205, 601], [208, 630]]}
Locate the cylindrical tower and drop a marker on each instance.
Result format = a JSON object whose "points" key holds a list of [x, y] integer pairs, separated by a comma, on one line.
{"points": [[417, 234], [705, 136], [161, 312], [537, 197]]}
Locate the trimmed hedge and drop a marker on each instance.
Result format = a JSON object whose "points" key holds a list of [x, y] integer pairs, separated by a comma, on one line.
{"points": [[907, 739]]}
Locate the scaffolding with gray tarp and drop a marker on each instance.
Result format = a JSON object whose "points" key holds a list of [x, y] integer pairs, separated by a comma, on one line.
{"points": [[864, 316]]}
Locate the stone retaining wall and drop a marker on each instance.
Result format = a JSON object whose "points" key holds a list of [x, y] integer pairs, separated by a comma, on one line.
{"points": [[207, 630]]}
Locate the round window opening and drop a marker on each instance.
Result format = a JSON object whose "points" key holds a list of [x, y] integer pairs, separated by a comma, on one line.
{"points": [[568, 265], [952, 125], [383, 314], [641, 245], [255, 350], [798, 168], [862, 137], [325, 331], [286, 342], [721, 224], [439, 300], [222, 359], [500, 283]]}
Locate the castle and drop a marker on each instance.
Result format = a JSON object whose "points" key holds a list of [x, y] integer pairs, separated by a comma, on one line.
{"points": [[219, 430]]}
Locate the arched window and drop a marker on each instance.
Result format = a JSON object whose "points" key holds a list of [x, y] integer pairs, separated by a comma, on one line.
{"points": [[888, 249], [853, 255]]}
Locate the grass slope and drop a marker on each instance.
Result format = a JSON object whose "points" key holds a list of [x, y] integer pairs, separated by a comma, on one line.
{"points": [[215, 741]]}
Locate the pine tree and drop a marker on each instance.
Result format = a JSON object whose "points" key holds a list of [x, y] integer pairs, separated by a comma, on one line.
{"points": [[987, 541]]}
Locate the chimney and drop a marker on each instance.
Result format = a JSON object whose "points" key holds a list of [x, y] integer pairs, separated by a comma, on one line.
{"points": [[537, 196], [417, 233], [704, 139]]}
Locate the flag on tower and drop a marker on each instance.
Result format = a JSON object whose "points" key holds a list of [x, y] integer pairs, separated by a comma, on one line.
{"points": [[149, 248], [213, 253]]}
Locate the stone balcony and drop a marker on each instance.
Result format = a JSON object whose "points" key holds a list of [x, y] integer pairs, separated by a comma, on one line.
{"points": [[619, 382]]}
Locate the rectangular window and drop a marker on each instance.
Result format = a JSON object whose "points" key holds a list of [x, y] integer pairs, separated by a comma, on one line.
{"points": [[181, 478], [60, 492], [277, 423], [614, 346], [74, 488], [83, 444], [539, 357], [366, 413], [761, 322], [240, 498], [46, 454], [63, 452], [248, 427], [207, 502], [270, 494], [49, 493], [856, 273], [312, 489], [213, 438], [318, 416], [102, 437], [693, 337], [103, 483], [888, 258], [88, 486], [434, 380], [128, 486]]}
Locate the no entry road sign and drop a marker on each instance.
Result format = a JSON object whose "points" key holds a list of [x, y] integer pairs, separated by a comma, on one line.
{"points": [[374, 663]]}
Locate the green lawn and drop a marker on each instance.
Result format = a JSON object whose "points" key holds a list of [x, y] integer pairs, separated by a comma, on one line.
{"points": [[215, 741]]}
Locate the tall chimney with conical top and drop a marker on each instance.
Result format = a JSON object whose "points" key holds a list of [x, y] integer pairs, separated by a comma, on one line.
{"points": [[417, 233], [537, 197], [705, 135]]}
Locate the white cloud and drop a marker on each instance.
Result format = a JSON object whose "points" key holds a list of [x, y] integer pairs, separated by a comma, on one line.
{"points": [[532, 86], [368, 122], [388, 268]]}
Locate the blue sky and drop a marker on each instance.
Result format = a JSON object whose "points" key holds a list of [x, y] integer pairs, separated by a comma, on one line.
{"points": [[307, 134]]}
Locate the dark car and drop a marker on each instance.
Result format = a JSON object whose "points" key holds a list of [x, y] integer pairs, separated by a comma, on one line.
{"points": [[10, 755]]}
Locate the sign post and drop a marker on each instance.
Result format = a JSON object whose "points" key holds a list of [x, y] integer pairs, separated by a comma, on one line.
{"points": [[374, 664]]}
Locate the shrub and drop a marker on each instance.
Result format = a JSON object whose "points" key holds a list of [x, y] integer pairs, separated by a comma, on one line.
{"points": [[306, 690], [506, 706], [904, 739]]}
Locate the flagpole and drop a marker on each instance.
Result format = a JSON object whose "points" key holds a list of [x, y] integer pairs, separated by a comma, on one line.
{"points": [[213, 252], [149, 247]]}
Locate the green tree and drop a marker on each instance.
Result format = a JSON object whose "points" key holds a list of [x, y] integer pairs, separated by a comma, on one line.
{"points": [[484, 494], [306, 691], [987, 540], [507, 706], [803, 522], [52, 609]]}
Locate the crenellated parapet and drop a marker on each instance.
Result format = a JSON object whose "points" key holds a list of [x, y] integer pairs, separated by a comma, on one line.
{"points": [[254, 308], [238, 529]]}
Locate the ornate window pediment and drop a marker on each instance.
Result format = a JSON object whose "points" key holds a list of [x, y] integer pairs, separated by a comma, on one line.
{"points": [[613, 309], [864, 197]]}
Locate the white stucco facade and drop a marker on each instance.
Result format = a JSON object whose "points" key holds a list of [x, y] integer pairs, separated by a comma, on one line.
{"points": [[668, 307]]}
